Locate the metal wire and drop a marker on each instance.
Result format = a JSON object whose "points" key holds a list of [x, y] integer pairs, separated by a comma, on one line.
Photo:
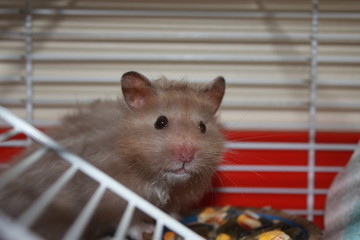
{"points": [[277, 168], [230, 81], [188, 37], [80, 223], [184, 13], [290, 146], [33, 212], [28, 61], [9, 229], [180, 58], [267, 190], [105, 182], [194, 14], [15, 172], [227, 104], [312, 111]]}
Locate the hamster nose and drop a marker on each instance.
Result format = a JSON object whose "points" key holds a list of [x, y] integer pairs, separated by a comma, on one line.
{"points": [[184, 153]]}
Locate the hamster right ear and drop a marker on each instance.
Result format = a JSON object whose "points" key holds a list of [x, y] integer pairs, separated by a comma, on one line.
{"points": [[215, 93], [136, 89]]}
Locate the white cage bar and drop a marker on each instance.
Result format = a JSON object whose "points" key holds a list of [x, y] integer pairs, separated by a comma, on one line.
{"points": [[78, 164]]}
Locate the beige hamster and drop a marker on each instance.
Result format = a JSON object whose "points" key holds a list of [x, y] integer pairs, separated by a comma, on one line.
{"points": [[162, 141]]}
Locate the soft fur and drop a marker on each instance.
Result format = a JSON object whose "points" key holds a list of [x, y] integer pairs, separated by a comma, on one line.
{"points": [[119, 138]]}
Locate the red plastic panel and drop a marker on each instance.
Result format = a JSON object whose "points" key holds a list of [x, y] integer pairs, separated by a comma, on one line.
{"points": [[266, 179]]}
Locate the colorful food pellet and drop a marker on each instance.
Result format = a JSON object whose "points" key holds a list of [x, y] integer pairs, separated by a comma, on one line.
{"points": [[247, 222], [210, 215], [274, 235], [169, 236], [229, 223], [223, 236]]}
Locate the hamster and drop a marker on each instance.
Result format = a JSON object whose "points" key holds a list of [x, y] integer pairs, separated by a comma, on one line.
{"points": [[162, 141]]}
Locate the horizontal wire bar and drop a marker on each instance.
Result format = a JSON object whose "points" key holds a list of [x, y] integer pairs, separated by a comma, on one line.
{"points": [[14, 143], [181, 58], [288, 126], [244, 81], [176, 36], [225, 125], [195, 14], [28, 129], [338, 59], [11, 57], [338, 15], [172, 58], [265, 168], [114, 80], [303, 212], [187, 36], [33, 212], [253, 145], [9, 134], [7, 11], [338, 105], [290, 146], [265, 104], [338, 83], [16, 35], [86, 80], [171, 13], [338, 38], [226, 104], [11, 79], [179, 13], [259, 190]]}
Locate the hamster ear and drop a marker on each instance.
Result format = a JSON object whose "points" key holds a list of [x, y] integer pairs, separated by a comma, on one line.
{"points": [[215, 93], [136, 89]]}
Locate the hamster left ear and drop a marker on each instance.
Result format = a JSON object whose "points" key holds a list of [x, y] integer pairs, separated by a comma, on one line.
{"points": [[215, 93], [136, 89]]}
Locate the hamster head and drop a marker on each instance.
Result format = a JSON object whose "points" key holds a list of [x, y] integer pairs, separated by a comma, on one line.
{"points": [[169, 130]]}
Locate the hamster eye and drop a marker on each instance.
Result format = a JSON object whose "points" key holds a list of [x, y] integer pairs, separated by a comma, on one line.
{"points": [[161, 122], [202, 127]]}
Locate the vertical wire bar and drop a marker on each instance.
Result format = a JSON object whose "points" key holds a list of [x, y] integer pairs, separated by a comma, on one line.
{"points": [[27, 218], [158, 230], [80, 223], [312, 110], [28, 62], [125, 222]]}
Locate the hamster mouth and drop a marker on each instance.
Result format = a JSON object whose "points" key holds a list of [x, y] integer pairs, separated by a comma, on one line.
{"points": [[180, 170], [180, 174]]}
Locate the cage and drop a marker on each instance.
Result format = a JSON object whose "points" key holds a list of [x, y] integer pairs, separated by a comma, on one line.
{"points": [[290, 114]]}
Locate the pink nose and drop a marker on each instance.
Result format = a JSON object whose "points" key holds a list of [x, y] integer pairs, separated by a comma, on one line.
{"points": [[184, 152]]}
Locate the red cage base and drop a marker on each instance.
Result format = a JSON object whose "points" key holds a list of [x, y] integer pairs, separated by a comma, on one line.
{"points": [[267, 179]]}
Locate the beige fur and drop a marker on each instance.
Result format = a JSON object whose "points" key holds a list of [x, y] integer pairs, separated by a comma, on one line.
{"points": [[119, 138]]}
